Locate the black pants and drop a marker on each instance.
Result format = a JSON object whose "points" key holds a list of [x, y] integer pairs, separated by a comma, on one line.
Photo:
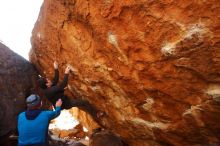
{"points": [[81, 104]]}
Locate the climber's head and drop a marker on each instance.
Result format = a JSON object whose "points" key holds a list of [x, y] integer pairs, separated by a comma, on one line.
{"points": [[33, 101], [49, 83], [44, 82]]}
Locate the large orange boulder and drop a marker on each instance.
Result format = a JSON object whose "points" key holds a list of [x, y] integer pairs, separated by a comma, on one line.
{"points": [[153, 67]]}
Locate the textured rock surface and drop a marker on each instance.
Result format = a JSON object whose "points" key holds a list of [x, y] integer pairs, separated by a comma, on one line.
{"points": [[152, 66], [16, 81], [105, 138], [84, 118]]}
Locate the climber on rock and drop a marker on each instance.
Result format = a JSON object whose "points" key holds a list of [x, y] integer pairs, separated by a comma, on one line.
{"points": [[53, 91], [33, 123]]}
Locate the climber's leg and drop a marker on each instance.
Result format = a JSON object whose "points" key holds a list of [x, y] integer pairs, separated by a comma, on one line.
{"points": [[66, 103], [83, 105]]}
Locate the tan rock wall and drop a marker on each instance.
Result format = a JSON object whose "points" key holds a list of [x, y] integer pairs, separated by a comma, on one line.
{"points": [[152, 66]]}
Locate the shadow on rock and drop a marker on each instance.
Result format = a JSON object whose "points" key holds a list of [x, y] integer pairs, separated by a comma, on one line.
{"points": [[102, 137]]}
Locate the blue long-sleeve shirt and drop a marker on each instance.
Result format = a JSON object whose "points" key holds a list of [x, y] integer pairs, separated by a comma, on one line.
{"points": [[35, 131]]}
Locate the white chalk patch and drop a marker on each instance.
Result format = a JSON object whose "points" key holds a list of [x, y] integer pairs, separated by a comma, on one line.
{"points": [[95, 88], [85, 129], [193, 110], [102, 66], [148, 105], [199, 29], [74, 70], [168, 48], [112, 39], [214, 91], [150, 124]]}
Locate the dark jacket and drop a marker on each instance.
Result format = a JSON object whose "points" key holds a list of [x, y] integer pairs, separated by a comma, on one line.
{"points": [[56, 91]]}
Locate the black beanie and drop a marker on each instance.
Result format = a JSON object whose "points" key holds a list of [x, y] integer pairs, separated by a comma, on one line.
{"points": [[42, 83]]}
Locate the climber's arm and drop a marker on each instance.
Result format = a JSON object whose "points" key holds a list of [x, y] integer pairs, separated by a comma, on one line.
{"points": [[63, 84], [56, 113]]}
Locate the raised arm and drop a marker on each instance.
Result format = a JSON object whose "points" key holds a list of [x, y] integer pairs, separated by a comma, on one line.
{"points": [[63, 84], [56, 74], [54, 89], [56, 113]]}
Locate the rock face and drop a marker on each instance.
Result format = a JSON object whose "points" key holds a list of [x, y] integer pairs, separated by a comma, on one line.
{"points": [[16, 81], [152, 66], [105, 138]]}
